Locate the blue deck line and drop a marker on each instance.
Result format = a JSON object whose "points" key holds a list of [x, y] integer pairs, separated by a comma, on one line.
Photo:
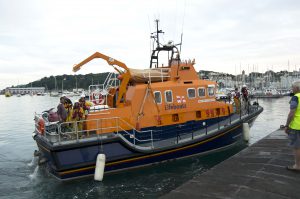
{"points": [[258, 171]]}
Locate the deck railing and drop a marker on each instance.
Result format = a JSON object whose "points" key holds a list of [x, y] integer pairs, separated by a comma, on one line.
{"points": [[66, 132], [102, 89], [73, 132], [158, 73]]}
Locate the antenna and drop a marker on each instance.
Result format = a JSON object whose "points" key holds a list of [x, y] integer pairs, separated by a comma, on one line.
{"points": [[182, 26], [150, 37], [181, 42]]}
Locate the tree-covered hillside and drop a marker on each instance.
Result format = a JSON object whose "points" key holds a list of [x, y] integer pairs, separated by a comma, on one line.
{"points": [[68, 81]]}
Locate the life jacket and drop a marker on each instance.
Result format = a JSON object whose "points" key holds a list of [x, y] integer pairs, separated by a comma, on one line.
{"points": [[237, 94], [244, 92], [77, 114], [68, 103], [295, 123]]}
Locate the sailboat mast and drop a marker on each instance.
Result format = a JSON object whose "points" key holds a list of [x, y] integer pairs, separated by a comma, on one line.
{"points": [[76, 83]]}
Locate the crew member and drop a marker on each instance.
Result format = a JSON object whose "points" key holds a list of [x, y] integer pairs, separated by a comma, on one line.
{"points": [[61, 110], [292, 127], [68, 106], [236, 99], [77, 115], [85, 105]]}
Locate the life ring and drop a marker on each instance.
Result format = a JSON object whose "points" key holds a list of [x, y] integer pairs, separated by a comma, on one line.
{"points": [[97, 98], [41, 126]]}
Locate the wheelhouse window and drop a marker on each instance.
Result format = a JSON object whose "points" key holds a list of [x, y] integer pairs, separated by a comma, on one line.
{"points": [[201, 92], [157, 97], [211, 90], [168, 96], [191, 93]]}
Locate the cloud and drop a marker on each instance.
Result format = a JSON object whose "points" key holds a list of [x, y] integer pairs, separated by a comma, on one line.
{"points": [[43, 38]]}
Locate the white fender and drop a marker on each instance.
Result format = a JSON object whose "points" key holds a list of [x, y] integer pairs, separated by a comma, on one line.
{"points": [[246, 130], [99, 169]]}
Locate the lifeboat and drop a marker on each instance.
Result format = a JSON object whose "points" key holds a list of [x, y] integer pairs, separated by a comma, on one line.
{"points": [[141, 117]]}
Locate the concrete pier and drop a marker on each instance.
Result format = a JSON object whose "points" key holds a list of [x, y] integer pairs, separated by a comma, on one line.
{"points": [[258, 171]]}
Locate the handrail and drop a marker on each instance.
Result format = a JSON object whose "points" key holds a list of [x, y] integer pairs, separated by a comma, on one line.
{"points": [[110, 81], [150, 73], [71, 128], [116, 126]]}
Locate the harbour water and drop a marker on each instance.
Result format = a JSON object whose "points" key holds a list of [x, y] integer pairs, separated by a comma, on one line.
{"points": [[20, 177]]}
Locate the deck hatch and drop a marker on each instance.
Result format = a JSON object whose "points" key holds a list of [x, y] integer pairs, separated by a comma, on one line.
{"points": [[198, 114], [175, 117]]}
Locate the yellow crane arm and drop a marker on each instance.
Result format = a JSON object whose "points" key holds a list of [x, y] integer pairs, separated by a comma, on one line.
{"points": [[110, 61], [125, 77]]}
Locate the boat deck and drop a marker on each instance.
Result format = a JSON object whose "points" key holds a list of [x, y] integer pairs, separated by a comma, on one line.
{"points": [[186, 137], [151, 143], [258, 171]]}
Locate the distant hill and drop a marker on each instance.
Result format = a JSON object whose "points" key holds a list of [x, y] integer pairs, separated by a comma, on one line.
{"points": [[83, 81], [69, 81]]}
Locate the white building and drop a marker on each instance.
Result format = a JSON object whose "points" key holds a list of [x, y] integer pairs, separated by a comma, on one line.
{"points": [[26, 90]]}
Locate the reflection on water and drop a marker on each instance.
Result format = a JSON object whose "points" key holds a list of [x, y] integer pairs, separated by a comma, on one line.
{"points": [[274, 114], [20, 177]]}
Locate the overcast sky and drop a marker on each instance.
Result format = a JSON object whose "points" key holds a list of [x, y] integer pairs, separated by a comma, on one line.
{"points": [[40, 38]]}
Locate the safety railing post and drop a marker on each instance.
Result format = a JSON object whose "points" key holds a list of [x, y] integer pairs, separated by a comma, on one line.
{"points": [[152, 139], [218, 121], [76, 131], [59, 133], [240, 111], [230, 115], [134, 137], [248, 107], [97, 126], [117, 125], [101, 126]]}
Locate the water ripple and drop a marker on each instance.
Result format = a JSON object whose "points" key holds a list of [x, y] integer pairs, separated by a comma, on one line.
{"points": [[20, 177]]}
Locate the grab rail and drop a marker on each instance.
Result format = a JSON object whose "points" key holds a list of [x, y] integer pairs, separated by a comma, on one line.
{"points": [[162, 74], [66, 130], [115, 126]]}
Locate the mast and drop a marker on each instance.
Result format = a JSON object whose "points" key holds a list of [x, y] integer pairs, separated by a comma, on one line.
{"points": [[169, 47], [155, 37]]}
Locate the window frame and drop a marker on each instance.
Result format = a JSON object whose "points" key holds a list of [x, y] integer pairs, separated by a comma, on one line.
{"points": [[166, 96], [204, 92], [159, 95], [209, 87], [187, 90]]}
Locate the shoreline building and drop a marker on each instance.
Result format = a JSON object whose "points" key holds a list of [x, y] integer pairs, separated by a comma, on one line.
{"points": [[28, 90]]}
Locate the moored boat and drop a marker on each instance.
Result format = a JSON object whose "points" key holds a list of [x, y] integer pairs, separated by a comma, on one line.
{"points": [[141, 117], [267, 93], [7, 94]]}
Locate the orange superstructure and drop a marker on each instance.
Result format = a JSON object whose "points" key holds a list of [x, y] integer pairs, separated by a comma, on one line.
{"points": [[159, 96], [176, 96]]}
